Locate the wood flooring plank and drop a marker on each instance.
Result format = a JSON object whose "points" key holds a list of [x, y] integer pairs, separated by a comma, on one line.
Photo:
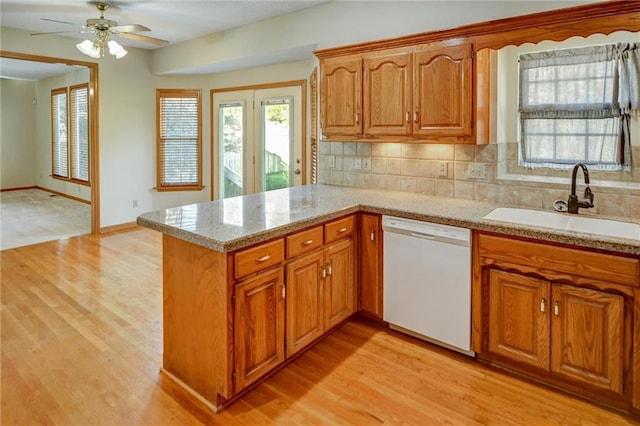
{"points": [[81, 344]]}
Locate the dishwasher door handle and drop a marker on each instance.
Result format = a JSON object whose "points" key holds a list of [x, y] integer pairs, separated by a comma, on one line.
{"points": [[423, 236]]}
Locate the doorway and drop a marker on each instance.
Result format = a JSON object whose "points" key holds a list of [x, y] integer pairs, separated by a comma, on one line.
{"points": [[258, 138], [92, 118]]}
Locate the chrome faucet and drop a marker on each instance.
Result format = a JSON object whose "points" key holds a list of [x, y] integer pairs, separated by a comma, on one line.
{"points": [[574, 204]]}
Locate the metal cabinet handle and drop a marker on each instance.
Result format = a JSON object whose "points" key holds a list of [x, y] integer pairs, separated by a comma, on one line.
{"points": [[556, 308], [415, 116], [372, 236], [307, 243], [342, 230], [329, 271], [263, 258], [323, 272], [284, 291], [543, 303], [357, 118], [408, 117]]}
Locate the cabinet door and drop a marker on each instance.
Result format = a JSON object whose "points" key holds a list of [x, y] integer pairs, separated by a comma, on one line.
{"points": [[387, 94], [587, 329], [518, 318], [443, 100], [259, 326], [341, 96], [370, 265], [339, 291], [304, 301]]}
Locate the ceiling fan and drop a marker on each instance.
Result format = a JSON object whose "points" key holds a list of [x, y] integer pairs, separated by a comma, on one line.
{"points": [[103, 29]]}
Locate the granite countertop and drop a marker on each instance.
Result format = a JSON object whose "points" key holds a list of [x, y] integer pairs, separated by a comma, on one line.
{"points": [[234, 223]]}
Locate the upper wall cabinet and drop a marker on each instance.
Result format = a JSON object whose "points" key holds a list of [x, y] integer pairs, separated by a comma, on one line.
{"points": [[341, 96], [422, 92]]}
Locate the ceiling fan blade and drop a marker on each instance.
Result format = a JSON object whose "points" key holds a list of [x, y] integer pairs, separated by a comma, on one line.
{"points": [[129, 28], [54, 32], [147, 39], [60, 22]]}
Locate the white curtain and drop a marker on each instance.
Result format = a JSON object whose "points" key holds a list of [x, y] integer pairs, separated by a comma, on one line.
{"points": [[575, 105]]}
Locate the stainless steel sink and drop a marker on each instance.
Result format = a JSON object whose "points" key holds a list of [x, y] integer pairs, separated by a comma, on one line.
{"points": [[566, 222]]}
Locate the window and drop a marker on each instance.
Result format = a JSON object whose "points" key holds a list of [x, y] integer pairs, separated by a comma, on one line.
{"points": [[59, 141], [70, 133], [574, 108], [179, 137]]}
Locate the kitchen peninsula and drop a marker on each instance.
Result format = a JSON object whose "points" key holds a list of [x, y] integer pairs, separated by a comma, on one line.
{"points": [[229, 267]]}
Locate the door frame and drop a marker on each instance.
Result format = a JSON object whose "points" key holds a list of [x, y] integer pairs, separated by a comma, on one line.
{"points": [[303, 107], [93, 124]]}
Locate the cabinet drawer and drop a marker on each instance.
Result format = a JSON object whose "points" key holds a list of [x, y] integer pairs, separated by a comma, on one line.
{"points": [[258, 258], [337, 229], [304, 241]]}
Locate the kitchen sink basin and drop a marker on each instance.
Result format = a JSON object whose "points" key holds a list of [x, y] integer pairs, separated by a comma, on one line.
{"points": [[566, 222]]}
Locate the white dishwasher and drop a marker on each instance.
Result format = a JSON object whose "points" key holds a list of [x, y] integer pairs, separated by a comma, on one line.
{"points": [[427, 281]]}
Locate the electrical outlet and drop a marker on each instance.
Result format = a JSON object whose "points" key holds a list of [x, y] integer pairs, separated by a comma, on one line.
{"points": [[357, 164], [476, 170], [134, 204], [332, 161], [366, 163], [443, 169]]}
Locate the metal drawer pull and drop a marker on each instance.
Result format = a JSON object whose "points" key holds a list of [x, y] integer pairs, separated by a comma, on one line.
{"points": [[329, 269], [263, 258], [342, 230], [323, 272], [373, 236], [556, 309], [307, 243], [542, 305]]}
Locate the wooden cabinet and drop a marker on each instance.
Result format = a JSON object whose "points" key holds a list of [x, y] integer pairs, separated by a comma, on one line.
{"points": [[442, 90], [518, 321], [388, 94], [259, 326], [320, 287], [370, 265], [341, 96], [305, 301], [339, 283], [422, 92], [576, 332], [587, 336], [559, 314]]}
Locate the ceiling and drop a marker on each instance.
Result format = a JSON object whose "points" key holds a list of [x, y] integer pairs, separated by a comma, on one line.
{"points": [[174, 21]]}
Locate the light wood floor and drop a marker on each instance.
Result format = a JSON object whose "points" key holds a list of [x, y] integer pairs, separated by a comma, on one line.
{"points": [[82, 342]]}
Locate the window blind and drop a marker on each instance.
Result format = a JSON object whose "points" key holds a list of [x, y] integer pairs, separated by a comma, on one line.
{"points": [[59, 141], [179, 139], [79, 122]]}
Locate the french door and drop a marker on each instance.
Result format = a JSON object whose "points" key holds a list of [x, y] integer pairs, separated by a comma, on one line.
{"points": [[257, 138]]}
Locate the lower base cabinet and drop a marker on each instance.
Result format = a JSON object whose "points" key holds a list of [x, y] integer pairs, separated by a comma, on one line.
{"points": [[560, 315], [570, 331], [259, 326]]}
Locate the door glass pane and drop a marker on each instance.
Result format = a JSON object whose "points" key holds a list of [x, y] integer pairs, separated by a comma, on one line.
{"points": [[232, 124], [277, 133]]}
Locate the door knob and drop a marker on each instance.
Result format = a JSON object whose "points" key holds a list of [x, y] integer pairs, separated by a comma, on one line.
{"points": [[297, 171]]}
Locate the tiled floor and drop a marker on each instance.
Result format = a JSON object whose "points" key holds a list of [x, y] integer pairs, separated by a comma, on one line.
{"points": [[32, 216]]}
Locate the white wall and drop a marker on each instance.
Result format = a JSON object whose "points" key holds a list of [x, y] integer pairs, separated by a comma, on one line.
{"points": [[127, 86], [17, 134]]}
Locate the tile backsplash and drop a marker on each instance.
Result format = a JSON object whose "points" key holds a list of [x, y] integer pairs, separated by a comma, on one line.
{"points": [[470, 172]]}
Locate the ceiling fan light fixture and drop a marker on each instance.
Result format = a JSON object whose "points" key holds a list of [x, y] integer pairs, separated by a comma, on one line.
{"points": [[89, 48], [116, 50]]}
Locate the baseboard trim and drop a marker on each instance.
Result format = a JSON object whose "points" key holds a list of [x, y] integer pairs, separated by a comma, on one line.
{"points": [[186, 396], [62, 194], [18, 189], [120, 227]]}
